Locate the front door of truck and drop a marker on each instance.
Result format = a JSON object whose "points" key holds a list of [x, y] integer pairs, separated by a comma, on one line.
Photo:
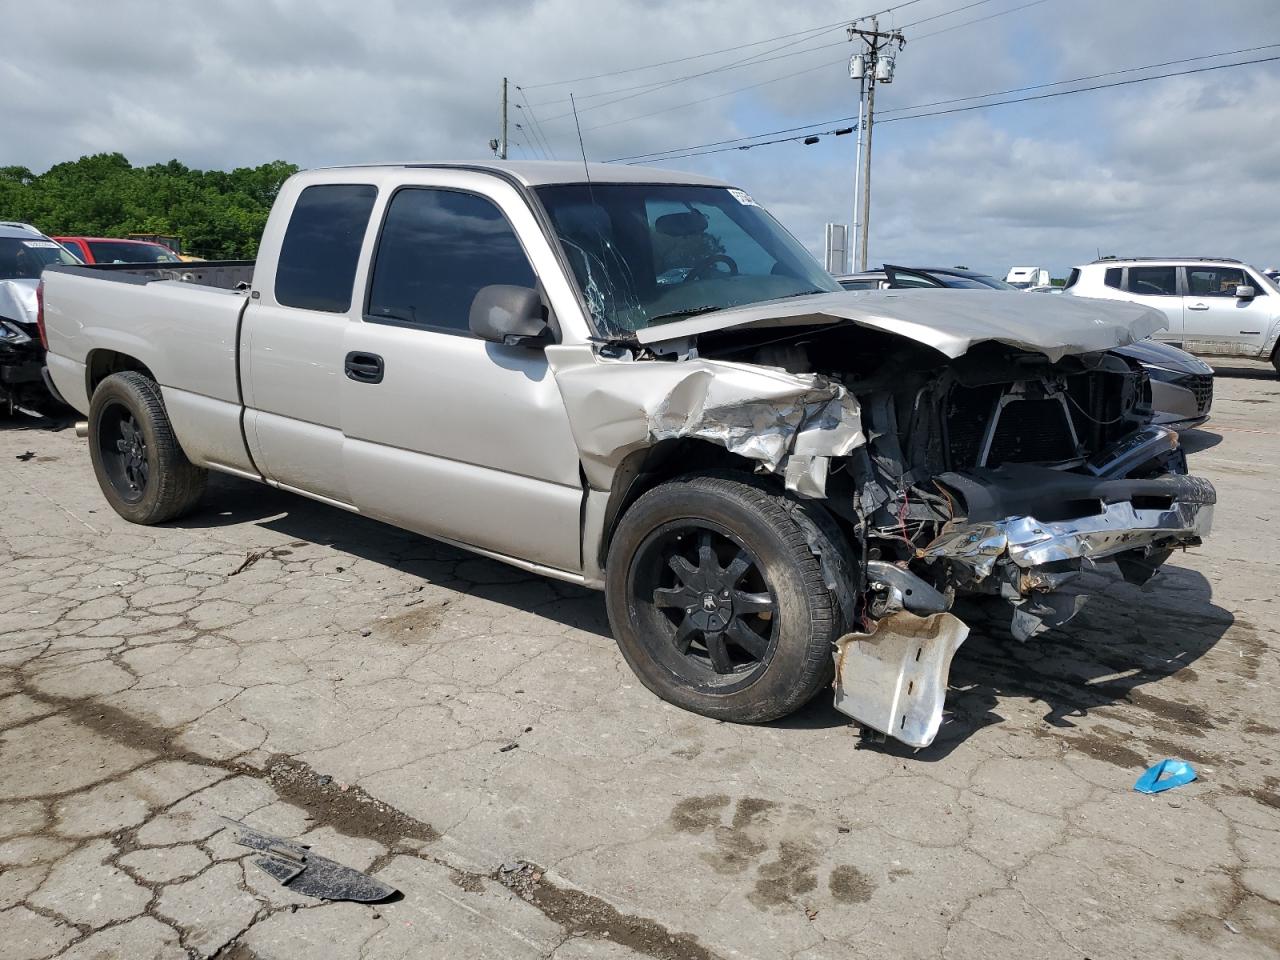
{"points": [[1219, 322], [446, 434]]}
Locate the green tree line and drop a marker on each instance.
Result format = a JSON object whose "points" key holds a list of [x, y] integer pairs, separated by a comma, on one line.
{"points": [[217, 214]]}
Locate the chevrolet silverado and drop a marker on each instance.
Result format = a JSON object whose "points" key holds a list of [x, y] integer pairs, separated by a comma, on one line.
{"points": [[639, 381]]}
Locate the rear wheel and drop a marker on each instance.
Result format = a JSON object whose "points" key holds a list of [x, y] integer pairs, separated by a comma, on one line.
{"points": [[719, 601], [140, 467]]}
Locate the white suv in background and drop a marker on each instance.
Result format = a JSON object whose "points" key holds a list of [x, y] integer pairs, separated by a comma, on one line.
{"points": [[1214, 307]]}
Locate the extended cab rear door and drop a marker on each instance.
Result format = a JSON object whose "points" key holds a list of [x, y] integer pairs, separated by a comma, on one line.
{"points": [[446, 434], [294, 331]]}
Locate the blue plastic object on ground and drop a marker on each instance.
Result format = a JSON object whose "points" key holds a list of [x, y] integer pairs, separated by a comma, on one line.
{"points": [[1165, 775]]}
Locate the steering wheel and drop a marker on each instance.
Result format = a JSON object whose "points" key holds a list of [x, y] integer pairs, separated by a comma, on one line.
{"points": [[699, 270]]}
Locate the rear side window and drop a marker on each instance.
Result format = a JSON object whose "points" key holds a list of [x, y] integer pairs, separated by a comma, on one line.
{"points": [[1112, 279], [317, 266], [438, 248], [1153, 281]]}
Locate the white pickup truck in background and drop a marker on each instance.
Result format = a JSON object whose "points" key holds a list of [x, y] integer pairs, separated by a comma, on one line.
{"points": [[637, 380]]}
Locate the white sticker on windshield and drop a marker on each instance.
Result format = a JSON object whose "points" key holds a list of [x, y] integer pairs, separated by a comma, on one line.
{"points": [[742, 197], [40, 244]]}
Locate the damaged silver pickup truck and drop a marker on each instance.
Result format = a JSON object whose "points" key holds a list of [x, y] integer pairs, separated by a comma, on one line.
{"points": [[640, 382]]}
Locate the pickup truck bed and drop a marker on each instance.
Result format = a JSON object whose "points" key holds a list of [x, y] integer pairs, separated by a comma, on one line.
{"points": [[198, 305]]}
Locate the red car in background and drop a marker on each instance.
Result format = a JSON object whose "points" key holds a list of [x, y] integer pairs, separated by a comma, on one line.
{"points": [[115, 250]]}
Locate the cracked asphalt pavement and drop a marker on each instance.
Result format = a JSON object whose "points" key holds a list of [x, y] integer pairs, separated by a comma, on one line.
{"points": [[469, 734]]}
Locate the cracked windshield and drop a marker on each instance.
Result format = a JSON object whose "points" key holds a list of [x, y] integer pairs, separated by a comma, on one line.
{"points": [[645, 254]]}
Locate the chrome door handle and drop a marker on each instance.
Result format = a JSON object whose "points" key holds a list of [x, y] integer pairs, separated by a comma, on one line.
{"points": [[1197, 306]]}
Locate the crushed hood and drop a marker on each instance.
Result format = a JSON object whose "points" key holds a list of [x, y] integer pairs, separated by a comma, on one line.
{"points": [[952, 325], [18, 301]]}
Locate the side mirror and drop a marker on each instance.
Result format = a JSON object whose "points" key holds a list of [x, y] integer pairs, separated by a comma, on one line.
{"points": [[510, 315], [1245, 292]]}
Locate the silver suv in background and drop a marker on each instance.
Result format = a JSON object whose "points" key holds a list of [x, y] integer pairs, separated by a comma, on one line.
{"points": [[1214, 307]]}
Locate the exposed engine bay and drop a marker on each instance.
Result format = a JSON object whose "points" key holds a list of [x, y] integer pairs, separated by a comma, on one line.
{"points": [[976, 445], [998, 472]]}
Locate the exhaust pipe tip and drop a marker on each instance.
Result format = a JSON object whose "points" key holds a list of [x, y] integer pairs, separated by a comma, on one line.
{"points": [[82, 428]]}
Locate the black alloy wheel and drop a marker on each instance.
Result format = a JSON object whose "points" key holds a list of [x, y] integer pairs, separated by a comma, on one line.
{"points": [[711, 612], [123, 448]]}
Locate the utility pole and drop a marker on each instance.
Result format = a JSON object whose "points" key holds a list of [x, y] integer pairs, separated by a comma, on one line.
{"points": [[869, 68], [502, 143]]}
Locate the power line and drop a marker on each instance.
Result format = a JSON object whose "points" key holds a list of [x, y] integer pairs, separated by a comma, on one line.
{"points": [[945, 13], [751, 61], [535, 126], [966, 23], [717, 96], [747, 61], [1093, 76], [712, 53], [738, 144], [1097, 86], [936, 103], [786, 76]]}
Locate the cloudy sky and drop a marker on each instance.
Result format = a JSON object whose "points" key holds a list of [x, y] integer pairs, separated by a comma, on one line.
{"points": [[1181, 166]]}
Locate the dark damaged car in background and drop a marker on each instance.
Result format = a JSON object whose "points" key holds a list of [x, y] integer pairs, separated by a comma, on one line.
{"points": [[24, 253], [640, 382]]}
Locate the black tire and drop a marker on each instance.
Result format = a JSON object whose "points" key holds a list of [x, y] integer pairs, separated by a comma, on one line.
{"points": [[648, 583], [140, 467]]}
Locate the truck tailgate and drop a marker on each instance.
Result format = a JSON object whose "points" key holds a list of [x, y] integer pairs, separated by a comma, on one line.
{"points": [[186, 334]]}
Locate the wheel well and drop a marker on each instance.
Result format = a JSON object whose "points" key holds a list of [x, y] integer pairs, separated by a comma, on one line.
{"points": [[103, 363], [645, 469]]}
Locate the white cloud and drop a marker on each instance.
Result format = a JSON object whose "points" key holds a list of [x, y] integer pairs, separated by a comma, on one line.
{"points": [[1171, 166]]}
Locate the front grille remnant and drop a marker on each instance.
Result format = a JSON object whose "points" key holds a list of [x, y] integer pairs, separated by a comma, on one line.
{"points": [[1032, 431], [1037, 428]]}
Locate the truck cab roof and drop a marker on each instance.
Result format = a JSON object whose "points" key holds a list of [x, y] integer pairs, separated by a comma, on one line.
{"points": [[537, 173]]}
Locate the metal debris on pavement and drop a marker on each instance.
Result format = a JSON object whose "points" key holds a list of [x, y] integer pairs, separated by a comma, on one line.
{"points": [[304, 872]]}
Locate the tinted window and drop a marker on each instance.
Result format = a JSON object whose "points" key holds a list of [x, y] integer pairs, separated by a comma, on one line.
{"points": [[1215, 281], [26, 259], [1153, 281], [904, 278], [108, 251], [438, 248], [1112, 278], [317, 265], [1073, 278]]}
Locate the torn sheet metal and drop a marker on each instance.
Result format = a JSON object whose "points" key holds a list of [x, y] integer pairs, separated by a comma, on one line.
{"points": [[1118, 528], [1053, 326], [304, 872], [894, 679], [790, 423]]}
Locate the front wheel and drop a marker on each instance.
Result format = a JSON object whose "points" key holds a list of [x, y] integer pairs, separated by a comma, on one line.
{"points": [[719, 601], [140, 467]]}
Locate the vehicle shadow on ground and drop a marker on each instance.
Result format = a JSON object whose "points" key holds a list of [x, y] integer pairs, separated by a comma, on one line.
{"points": [[230, 500], [45, 422], [1239, 372], [1124, 638]]}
